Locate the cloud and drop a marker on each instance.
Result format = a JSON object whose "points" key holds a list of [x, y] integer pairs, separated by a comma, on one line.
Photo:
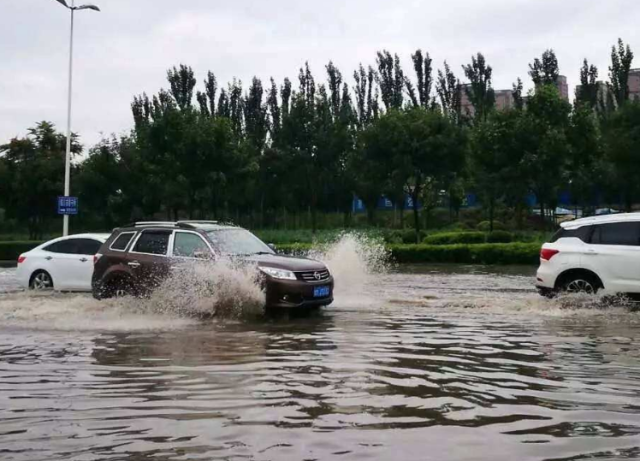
{"points": [[127, 48]]}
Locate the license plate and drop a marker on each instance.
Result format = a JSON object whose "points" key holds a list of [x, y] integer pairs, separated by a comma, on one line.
{"points": [[321, 292]]}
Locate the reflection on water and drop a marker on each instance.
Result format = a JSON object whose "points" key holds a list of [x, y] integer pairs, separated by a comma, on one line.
{"points": [[445, 365]]}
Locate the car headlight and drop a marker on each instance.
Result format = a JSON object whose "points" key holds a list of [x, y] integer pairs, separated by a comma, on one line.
{"points": [[282, 274]]}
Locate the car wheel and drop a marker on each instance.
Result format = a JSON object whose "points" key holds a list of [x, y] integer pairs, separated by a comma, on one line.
{"points": [[118, 288], [581, 284], [40, 281]]}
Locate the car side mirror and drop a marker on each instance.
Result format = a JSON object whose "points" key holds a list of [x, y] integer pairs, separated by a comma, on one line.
{"points": [[272, 246], [202, 255]]}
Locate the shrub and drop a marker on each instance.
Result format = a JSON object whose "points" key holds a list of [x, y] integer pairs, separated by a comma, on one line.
{"points": [[485, 226], [9, 251], [489, 253], [500, 236], [452, 238]]}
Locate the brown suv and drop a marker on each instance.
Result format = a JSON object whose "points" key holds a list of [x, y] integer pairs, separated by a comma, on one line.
{"points": [[136, 258]]}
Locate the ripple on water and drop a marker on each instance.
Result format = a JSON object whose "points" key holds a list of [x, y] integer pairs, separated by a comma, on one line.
{"points": [[460, 366]]}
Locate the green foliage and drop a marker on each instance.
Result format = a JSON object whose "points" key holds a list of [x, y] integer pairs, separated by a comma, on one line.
{"points": [[452, 238], [294, 155], [479, 90], [489, 253], [621, 60], [485, 226], [545, 71], [499, 236], [622, 141], [9, 251], [32, 176]]}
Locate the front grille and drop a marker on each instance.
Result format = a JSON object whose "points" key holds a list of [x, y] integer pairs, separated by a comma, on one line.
{"points": [[310, 276]]}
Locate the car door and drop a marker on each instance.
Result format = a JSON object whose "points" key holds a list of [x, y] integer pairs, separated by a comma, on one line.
{"points": [[188, 247], [148, 258], [65, 265], [614, 254]]}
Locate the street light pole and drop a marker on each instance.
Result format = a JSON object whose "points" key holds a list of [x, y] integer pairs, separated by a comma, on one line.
{"points": [[67, 162]]}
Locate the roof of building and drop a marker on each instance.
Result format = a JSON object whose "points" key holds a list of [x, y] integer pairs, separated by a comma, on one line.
{"points": [[620, 217]]}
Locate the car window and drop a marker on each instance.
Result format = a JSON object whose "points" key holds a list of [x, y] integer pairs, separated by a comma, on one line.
{"points": [[87, 246], [622, 233], [583, 233], [153, 242], [237, 242], [190, 245], [64, 246], [121, 243]]}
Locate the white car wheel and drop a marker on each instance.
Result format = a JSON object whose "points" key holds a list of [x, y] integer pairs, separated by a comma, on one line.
{"points": [[41, 281]]}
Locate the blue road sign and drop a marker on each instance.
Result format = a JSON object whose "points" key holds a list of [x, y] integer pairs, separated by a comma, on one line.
{"points": [[68, 205]]}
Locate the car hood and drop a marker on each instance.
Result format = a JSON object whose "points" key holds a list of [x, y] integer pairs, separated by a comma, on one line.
{"points": [[291, 263]]}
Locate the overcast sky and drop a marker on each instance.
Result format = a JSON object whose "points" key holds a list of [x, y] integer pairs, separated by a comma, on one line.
{"points": [[127, 48]]}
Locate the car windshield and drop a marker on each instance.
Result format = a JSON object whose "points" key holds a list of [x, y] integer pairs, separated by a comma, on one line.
{"points": [[238, 242]]}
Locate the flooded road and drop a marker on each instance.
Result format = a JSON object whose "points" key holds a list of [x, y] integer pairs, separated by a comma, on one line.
{"points": [[421, 363]]}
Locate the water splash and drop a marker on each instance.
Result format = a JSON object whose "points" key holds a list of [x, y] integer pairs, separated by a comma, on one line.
{"points": [[195, 291], [223, 289], [354, 260], [80, 312]]}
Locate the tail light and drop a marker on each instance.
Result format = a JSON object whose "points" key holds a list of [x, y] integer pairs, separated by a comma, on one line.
{"points": [[96, 257], [21, 259], [547, 254]]}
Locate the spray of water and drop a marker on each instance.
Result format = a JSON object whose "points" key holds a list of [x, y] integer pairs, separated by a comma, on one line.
{"points": [[221, 289], [355, 260]]}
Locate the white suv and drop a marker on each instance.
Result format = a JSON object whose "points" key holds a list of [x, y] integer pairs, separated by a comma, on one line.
{"points": [[592, 254]]}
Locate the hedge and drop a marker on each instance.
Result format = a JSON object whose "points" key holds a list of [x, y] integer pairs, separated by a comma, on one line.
{"points": [[452, 238], [9, 251], [486, 253]]}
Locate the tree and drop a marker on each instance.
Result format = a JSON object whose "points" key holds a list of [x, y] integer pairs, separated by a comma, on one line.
{"points": [[518, 99], [479, 90], [543, 139], [621, 61], [545, 71], [587, 92], [496, 158], [421, 146], [182, 83], [422, 64], [622, 146], [35, 166], [449, 90], [585, 163], [367, 107], [207, 100], [391, 79]]}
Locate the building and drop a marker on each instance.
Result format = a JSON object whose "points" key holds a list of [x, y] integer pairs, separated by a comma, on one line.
{"points": [[634, 84], [504, 100], [563, 87]]}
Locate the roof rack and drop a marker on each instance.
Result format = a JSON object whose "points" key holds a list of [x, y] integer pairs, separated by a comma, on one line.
{"points": [[154, 223]]}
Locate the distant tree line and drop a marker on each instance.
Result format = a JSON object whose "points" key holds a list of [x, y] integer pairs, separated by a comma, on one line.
{"points": [[259, 152]]}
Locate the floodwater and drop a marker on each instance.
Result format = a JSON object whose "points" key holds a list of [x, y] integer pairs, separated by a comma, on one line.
{"points": [[414, 363]]}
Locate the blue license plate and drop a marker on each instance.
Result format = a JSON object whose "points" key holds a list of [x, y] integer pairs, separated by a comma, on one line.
{"points": [[321, 292]]}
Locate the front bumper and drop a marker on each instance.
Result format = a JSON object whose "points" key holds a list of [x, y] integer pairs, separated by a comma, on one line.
{"points": [[288, 294]]}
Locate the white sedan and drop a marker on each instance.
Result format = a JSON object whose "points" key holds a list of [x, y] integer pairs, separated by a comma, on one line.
{"points": [[63, 264]]}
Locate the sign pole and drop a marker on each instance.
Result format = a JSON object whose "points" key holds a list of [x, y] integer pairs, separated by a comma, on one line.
{"points": [[67, 164]]}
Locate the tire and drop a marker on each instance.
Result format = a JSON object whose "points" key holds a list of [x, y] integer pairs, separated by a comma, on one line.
{"points": [[41, 281], [581, 283], [117, 288]]}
